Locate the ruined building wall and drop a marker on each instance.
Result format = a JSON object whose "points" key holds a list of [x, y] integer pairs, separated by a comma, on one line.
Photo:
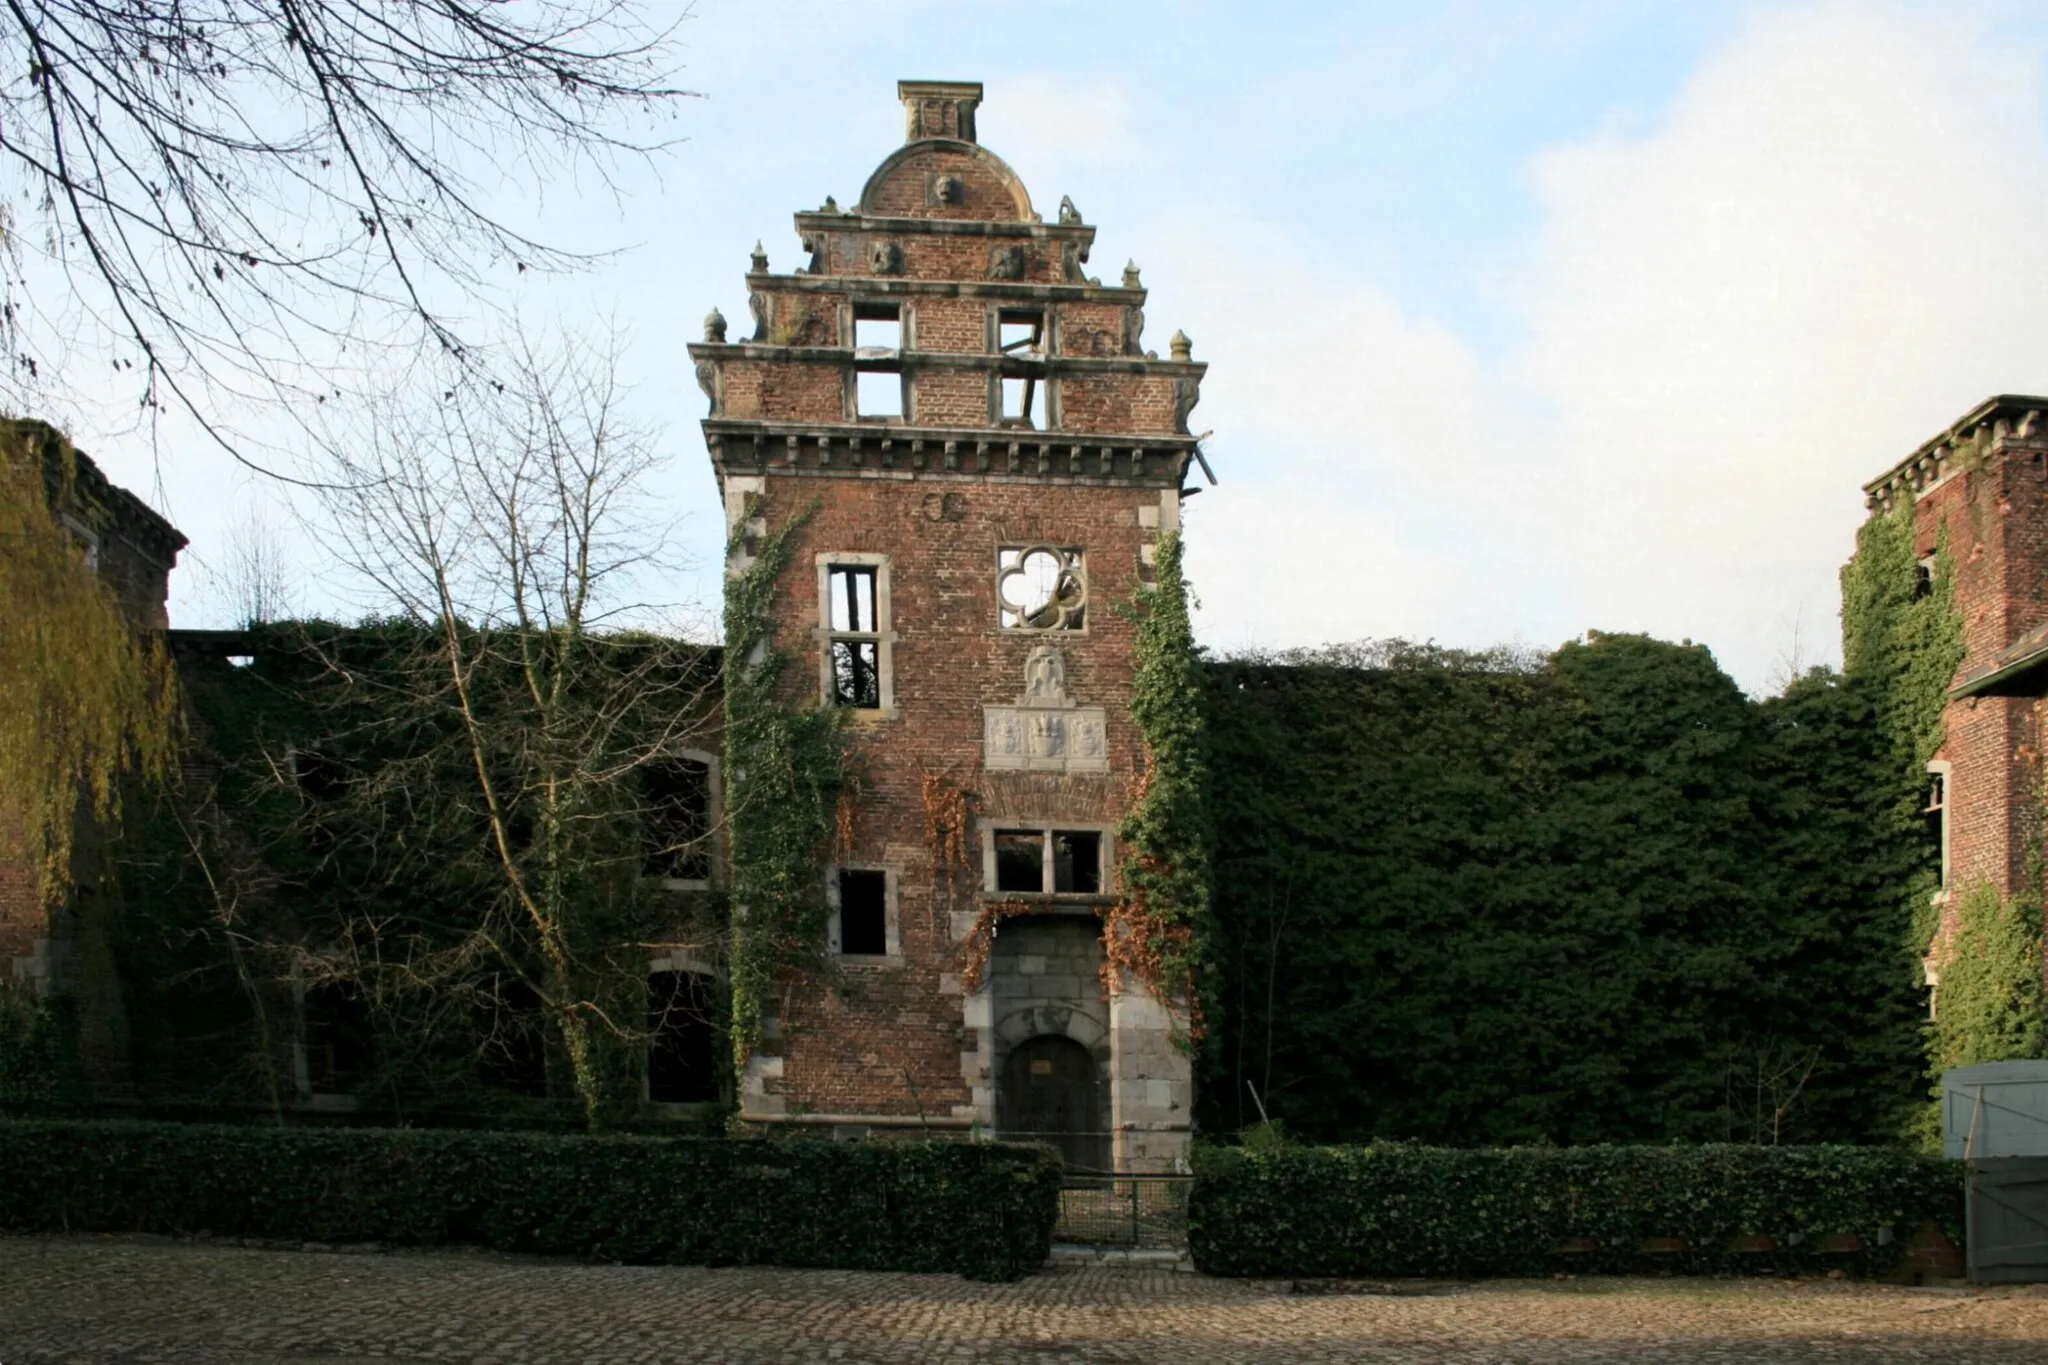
{"points": [[929, 493]]}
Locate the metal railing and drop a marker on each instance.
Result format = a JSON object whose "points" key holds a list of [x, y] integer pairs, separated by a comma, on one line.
{"points": [[1139, 1212]]}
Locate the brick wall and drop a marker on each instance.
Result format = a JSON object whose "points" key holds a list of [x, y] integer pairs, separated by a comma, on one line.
{"points": [[939, 492], [847, 1053]]}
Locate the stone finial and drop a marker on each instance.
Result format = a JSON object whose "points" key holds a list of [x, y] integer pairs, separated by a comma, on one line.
{"points": [[1183, 349], [939, 109], [714, 326], [1131, 275], [759, 259], [831, 205], [1068, 213]]}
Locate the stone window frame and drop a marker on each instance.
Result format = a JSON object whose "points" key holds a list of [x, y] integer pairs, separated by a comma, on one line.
{"points": [[1107, 852], [1941, 800], [892, 919], [87, 538], [714, 820], [695, 966], [1076, 556], [883, 634]]}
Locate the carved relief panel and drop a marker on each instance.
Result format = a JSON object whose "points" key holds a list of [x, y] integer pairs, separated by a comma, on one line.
{"points": [[1045, 730]]}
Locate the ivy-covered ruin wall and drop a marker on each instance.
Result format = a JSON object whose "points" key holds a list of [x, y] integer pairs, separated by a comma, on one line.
{"points": [[1596, 896]]}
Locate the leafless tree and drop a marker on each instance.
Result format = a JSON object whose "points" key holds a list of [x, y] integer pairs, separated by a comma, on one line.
{"points": [[507, 530], [229, 200]]}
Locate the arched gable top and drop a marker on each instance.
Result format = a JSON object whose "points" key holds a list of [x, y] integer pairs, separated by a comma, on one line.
{"points": [[946, 178]]}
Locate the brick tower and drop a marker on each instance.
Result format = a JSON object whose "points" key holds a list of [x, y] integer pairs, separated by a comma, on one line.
{"points": [[989, 455], [1982, 488]]}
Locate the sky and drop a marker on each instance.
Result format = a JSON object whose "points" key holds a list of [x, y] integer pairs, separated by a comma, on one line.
{"points": [[1522, 320]]}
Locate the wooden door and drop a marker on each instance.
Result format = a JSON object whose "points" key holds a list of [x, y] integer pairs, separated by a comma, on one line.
{"points": [[1050, 1093]]}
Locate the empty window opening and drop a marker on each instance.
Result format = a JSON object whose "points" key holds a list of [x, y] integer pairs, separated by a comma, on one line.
{"points": [[678, 819], [1020, 860], [514, 1053], [1077, 862], [318, 776], [1923, 577], [1021, 332], [337, 1032], [878, 393], [855, 643], [682, 1052], [863, 912], [1024, 402], [1936, 815], [1064, 862], [877, 341], [877, 329], [1042, 587]]}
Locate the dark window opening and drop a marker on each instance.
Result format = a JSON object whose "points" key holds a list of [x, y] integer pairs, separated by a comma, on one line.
{"points": [[1923, 578], [863, 912], [1077, 862], [856, 662], [678, 795], [318, 776], [1936, 815], [856, 674], [337, 1031], [682, 1054], [514, 1053], [1020, 860]]}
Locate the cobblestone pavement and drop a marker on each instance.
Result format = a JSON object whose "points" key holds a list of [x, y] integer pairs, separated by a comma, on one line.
{"points": [[134, 1299]]}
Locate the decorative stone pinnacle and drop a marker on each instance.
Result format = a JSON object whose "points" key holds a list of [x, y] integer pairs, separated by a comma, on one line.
{"points": [[760, 259], [1183, 349], [831, 205], [714, 326], [1131, 275]]}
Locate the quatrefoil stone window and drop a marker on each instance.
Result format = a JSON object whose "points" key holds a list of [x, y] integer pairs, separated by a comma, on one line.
{"points": [[1042, 587]]}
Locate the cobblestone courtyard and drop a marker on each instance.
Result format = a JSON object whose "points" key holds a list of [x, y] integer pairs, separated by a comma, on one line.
{"points": [[91, 1299]]}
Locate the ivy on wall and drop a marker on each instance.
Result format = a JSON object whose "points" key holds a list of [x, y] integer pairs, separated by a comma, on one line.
{"points": [[88, 702], [1161, 928], [786, 774], [1990, 995], [1598, 896], [1902, 641]]}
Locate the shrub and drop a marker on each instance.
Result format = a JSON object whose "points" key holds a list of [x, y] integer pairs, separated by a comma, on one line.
{"points": [[981, 1210], [1393, 1209]]}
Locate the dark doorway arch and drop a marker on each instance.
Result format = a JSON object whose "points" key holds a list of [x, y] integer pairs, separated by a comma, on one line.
{"points": [[1051, 1092]]}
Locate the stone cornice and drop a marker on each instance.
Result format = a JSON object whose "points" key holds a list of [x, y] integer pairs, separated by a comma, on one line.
{"points": [[1022, 291], [980, 455], [1999, 419], [853, 220], [957, 360]]}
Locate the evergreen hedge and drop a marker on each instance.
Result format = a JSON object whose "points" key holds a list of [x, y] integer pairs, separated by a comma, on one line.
{"points": [[1398, 1210], [981, 1210]]}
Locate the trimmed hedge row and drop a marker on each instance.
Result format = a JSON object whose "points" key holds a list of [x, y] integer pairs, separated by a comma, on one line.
{"points": [[1394, 1210], [982, 1210]]}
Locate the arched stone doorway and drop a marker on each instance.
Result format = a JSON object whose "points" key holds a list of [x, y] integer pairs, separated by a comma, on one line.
{"points": [[1051, 1092]]}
